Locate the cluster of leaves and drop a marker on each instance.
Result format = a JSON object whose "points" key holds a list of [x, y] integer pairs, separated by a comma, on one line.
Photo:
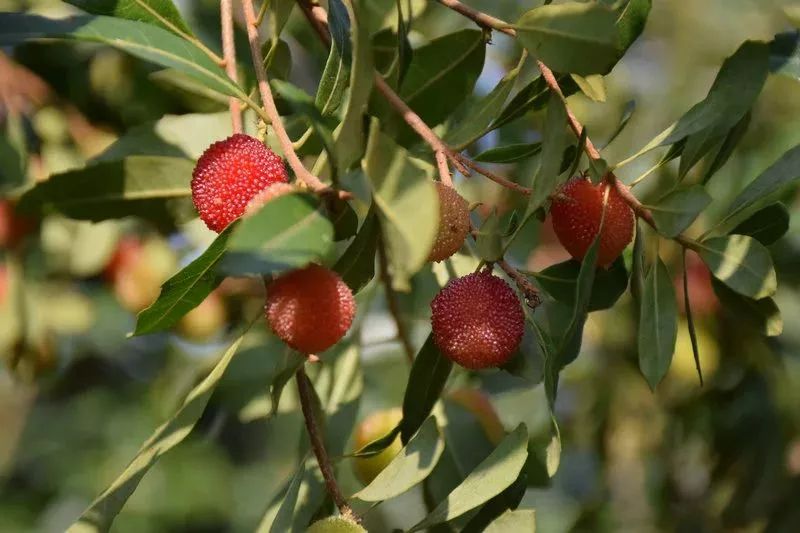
{"points": [[365, 146]]}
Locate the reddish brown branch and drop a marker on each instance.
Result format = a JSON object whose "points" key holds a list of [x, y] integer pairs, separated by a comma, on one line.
{"points": [[318, 445], [229, 53]]}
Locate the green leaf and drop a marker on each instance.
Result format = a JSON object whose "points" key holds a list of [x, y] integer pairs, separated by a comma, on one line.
{"points": [[407, 201], [185, 136], [288, 232], [658, 324], [637, 266], [101, 513], [627, 114], [137, 38], [592, 86], [409, 467], [767, 225], [439, 78], [764, 189], [736, 87], [580, 38], [332, 86], [426, 381], [480, 113], [631, 21], [339, 23], [560, 280], [784, 55], [763, 315], [153, 188], [376, 446], [687, 301], [489, 242], [161, 13], [285, 517], [522, 520], [729, 144], [678, 209], [185, 290], [533, 97], [13, 154], [510, 153], [555, 140], [349, 136], [489, 479], [356, 266], [741, 263]]}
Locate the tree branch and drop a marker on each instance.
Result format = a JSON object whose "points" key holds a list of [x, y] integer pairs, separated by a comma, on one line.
{"points": [[318, 445], [487, 21], [312, 181], [229, 53]]}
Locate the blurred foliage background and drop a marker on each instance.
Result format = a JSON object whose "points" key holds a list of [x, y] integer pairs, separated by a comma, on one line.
{"points": [[77, 398]]}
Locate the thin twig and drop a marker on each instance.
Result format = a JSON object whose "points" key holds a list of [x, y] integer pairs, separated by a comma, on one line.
{"points": [[391, 301], [229, 52], [318, 445], [312, 181]]}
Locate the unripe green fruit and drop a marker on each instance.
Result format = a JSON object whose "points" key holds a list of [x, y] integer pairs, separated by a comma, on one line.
{"points": [[371, 428], [205, 320], [335, 524]]}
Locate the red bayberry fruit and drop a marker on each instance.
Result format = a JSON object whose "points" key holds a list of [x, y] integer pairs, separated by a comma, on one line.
{"points": [[310, 309], [229, 174], [477, 321], [577, 210], [453, 223]]}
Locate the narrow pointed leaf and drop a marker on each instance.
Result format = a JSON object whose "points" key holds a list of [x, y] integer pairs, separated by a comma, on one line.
{"points": [[161, 13], [426, 381], [510, 153], [677, 210], [356, 266], [555, 140], [658, 324], [767, 225]]}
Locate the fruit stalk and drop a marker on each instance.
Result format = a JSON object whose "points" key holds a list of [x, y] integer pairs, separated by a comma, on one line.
{"points": [[229, 54], [312, 181], [318, 445]]}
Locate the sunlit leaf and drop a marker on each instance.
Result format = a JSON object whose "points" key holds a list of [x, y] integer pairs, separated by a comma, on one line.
{"points": [[555, 140], [740, 262], [161, 13]]}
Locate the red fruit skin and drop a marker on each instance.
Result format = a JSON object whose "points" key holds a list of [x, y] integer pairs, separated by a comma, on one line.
{"points": [[13, 226], [229, 174], [128, 251], [576, 212], [310, 309], [477, 321]]}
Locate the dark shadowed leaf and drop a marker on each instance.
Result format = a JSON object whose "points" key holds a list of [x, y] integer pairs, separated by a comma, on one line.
{"points": [[687, 301], [409, 467], [157, 12], [740, 262], [287, 232], [559, 281], [658, 324], [356, 266], [153, 188], [571, 37], [102, 512], [425, 383], [137, 38], [339, 23], [729, 144], [631, 20], [737, 85], [763, 314], [185, 290], [481, 112], [677, 210], [767, 225], [489, 479], [510, 153], [378, 445], [784, 54], [533, 97], [764, 189]]}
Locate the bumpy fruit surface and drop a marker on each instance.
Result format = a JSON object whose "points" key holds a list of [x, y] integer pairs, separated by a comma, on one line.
{"points": [[229, 174], [576, 211], [310, 309], [374, 427], [453, 223], [477, 321], [335, 524]]}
